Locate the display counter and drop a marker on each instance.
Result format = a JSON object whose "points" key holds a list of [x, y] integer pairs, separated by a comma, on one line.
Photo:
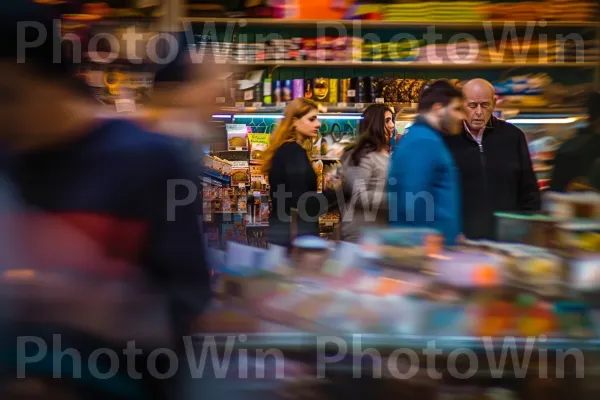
{"points": [[493, 320], [401, 288]]}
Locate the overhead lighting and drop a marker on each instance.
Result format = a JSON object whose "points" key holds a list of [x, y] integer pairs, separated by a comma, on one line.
{"points": [[351, 117], [542, 121], [260, 116], [280, 116]]}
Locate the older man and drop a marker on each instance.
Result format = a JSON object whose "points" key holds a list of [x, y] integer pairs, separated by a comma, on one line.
{"points": [[495, 166]]}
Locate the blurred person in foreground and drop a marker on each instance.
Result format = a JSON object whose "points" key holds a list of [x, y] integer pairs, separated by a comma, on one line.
{"points": [[494, 164], [103, 255], [292, 178], [575, 157], [594, 176], [364, 173], [423, 181]]}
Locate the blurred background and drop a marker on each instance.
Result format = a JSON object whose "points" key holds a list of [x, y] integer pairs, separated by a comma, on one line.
{"points": [[543, 58]]}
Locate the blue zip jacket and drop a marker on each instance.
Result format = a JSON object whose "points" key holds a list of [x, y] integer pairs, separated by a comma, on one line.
{"points": [[423, 183]]}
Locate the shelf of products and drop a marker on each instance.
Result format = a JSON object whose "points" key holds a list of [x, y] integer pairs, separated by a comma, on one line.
{"points": [[385, 24], [258, 93], [241, 197], [464, 12], [547, 111]]}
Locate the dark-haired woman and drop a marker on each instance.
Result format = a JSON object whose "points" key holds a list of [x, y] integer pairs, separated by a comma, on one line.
{"points": [[364, 173]]}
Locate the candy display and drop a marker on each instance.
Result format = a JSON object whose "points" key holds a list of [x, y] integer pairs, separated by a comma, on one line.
{"points": [[406, 247], [482, 289], [464, 270], [219, 199], [436, 11], [581, 235], [519, 91], [478, 11], [357, 49], [567, 206]]}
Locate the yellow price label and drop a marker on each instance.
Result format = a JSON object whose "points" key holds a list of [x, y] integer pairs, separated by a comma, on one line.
{"points": [[259, 138]]}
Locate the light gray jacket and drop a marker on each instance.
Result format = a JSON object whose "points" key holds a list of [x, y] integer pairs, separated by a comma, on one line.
{"points": [[365, 193]]}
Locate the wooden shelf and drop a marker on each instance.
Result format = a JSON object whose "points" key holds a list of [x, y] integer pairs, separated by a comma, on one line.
{"points": [[410, 64], [243, 22]]}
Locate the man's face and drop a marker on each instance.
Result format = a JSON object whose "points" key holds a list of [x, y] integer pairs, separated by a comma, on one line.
{"points": [[451, 117], [479, 104], [29, 106]]}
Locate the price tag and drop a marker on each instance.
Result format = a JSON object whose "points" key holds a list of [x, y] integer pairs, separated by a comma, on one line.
{"points": [[242, 185], [257, 104], [259, 138], [342, 105], [256, 194], [360, 106], [380, 100], [239, 164], [351, 93], [248, 95]]}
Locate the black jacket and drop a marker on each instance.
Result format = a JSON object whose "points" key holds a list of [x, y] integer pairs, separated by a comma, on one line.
{"points": [[293, 185], [496, 176], [574, 159]]}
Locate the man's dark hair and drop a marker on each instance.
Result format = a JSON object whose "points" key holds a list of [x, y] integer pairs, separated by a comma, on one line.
{"points": [[440, 91], [593, 107], [30, 20]]}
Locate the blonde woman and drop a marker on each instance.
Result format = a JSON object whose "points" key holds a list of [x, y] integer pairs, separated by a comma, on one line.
{"points": [[291, 176]]}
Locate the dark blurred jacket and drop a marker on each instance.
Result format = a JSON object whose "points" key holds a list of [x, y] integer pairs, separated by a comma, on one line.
{"points": [[496, 176], [105, 255], [574, 159], [293, 177]]}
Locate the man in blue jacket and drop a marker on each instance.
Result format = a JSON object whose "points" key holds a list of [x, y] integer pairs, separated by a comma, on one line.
{"points": [[423, 180]]}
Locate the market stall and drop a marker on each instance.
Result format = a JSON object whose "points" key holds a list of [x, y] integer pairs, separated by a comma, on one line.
{"points": [[383, 53], [401, 308]]}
